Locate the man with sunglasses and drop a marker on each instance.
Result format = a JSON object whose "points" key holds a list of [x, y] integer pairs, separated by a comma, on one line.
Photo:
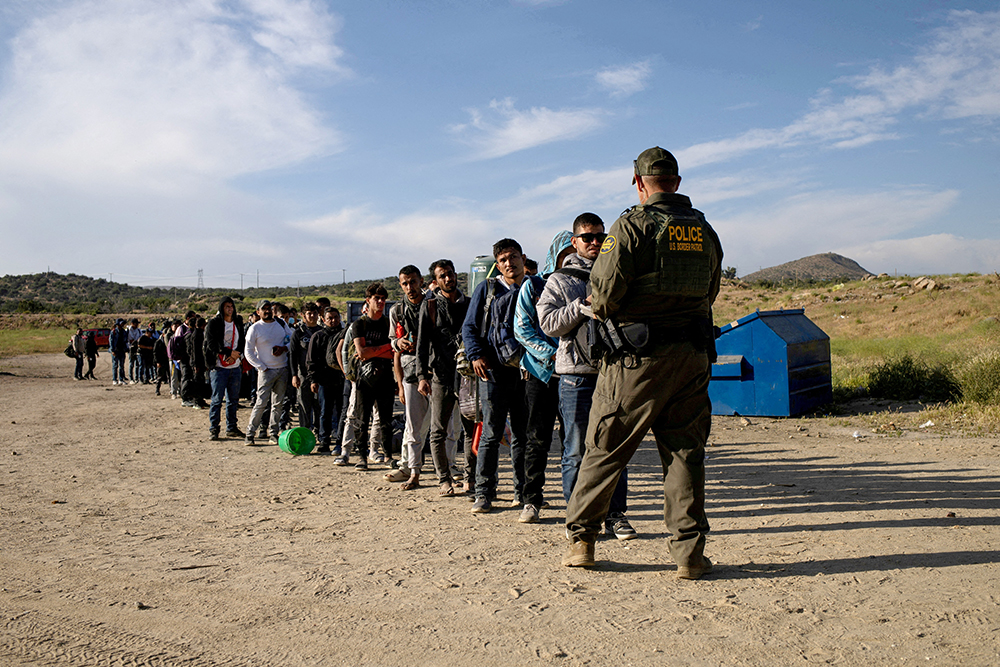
{"points": [[563, 311], [661, 266]]}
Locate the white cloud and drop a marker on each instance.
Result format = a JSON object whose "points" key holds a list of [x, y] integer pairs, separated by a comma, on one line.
{"points": [[933, 254], [956, 76], [504, 130], [755, 24], [815, 222], [118, 93], [626, 80]]}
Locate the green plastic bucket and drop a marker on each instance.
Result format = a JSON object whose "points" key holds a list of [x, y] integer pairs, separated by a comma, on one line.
{"points": [[297, 441]]}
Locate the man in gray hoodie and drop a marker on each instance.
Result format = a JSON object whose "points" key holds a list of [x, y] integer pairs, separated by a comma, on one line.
{"points": [[563, 312]]}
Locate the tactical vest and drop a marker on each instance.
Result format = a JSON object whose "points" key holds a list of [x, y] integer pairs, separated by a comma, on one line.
{"points": [[685, 245]]}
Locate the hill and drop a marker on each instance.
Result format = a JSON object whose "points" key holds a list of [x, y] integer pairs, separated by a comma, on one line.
{"points": [[815, 268]]}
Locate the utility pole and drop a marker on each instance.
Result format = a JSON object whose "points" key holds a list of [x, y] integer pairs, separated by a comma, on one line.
{"points": [[345, 275], [241, 282], [111, 277], [258, 278], [201, 279]]}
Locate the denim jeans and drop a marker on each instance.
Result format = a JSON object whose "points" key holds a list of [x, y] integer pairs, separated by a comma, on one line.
{"points": [[576, 394], [498, 400], [225, 385], [78, 373], [118, 368], [331, 400]]}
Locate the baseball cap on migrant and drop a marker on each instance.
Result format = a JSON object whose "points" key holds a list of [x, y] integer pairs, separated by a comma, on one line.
{"points": [[262, 303], [654, 161]]}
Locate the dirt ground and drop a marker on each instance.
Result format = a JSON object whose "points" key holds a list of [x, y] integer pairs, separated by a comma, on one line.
{"points": [[128, 539]]}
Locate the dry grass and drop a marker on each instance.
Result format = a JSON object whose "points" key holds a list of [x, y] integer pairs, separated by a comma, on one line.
{"points": [[871, 321]]}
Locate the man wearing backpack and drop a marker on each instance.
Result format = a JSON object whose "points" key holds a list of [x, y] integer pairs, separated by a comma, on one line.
{"points": [[267, 350], [375, 383], [489, 319], [403, 322], [562, 313], [325, 378], [439, 335]]}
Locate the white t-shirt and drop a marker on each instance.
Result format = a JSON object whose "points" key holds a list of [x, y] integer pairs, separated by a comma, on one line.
{"points": [[261, 338], [229, 339]]}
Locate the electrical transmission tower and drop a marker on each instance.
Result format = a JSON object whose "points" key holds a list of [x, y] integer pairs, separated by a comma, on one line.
{"points": [[201, 279]]}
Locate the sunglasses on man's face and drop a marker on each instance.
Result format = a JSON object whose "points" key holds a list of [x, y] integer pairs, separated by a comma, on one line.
{"points": [[591, 238]]}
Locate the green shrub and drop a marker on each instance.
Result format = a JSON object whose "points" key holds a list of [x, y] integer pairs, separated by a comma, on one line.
{"points": [[980, 379], [906, 379]]}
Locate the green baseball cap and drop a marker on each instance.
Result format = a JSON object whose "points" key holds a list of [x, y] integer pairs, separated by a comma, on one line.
{"points": [[655, 161]]}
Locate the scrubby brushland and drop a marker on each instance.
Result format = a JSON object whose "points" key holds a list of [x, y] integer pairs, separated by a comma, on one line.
{"points": [[930, 341], [72, 294]]}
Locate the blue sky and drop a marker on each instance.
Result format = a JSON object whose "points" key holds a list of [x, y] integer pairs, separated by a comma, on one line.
{"points": [[302, 138]]}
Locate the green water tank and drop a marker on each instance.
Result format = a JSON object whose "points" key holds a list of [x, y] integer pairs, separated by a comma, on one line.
{"points": [[482, 267]]}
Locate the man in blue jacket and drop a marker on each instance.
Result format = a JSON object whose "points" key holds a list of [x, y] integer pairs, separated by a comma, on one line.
{"points": [[501, 386]]}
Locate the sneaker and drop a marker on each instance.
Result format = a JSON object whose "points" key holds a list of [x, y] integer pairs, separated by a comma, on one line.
{"points": [[694, 571], [376, 458], [213, 435], [340, 461], [249, 442], [323, 449], [580, 554], [187, 404], [361, 465], [201, 405], [337, 451], [529, 514], [517, 502], [618, 525], [482, 505], [262, 435], [273, 440], [235, 433]]}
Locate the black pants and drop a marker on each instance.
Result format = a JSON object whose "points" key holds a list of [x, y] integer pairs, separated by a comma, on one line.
{"points": [[381, 396], [542, 401]]}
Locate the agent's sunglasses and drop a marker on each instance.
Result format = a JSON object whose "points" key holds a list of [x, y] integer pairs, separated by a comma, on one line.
{"points": [[590, 238]]}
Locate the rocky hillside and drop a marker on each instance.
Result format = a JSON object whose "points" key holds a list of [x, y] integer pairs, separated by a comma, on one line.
{"points": [[815, 268]]}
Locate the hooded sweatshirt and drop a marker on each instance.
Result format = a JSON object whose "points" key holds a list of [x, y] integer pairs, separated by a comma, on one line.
{"points": [[222, 337], [560, 314]]}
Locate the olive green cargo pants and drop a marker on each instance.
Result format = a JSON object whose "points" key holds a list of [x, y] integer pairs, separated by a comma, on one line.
{"points": [[668, 393]]}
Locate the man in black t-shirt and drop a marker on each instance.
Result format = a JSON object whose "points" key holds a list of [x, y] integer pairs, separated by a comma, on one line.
{"points": [[375, 384]]}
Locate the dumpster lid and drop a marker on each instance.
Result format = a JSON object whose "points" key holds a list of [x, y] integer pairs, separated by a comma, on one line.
{"points": [[758, 314]]}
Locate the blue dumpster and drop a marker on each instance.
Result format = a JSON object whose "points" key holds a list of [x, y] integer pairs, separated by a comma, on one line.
{"points": [[773, 363]]}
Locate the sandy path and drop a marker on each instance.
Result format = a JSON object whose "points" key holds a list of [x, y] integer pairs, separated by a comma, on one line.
{"points": [[129, 540]]}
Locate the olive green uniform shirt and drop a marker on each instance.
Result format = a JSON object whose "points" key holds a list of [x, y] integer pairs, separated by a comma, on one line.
{"points": [[661, 264]]}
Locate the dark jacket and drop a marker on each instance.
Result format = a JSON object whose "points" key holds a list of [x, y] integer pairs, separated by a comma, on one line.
{"points": [[321, 351], [195, 341], [215, 333], [299, 345], [118, 341], [439, 330]]}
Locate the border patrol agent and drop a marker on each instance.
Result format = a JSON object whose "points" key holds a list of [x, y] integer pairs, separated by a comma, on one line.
{"points": [[660, 266]]}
